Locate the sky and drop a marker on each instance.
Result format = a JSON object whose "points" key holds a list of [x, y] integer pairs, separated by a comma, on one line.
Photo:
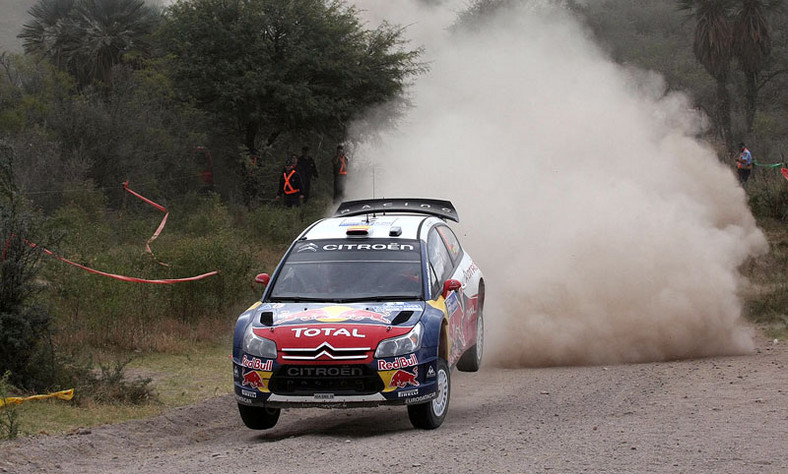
{"points": [[607, 231]]}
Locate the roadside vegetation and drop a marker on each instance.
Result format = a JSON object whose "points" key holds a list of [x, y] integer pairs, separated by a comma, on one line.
{"points": [[195, 107]]}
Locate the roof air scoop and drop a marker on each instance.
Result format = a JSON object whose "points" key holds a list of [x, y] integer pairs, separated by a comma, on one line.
{"points": [[358, 231]]}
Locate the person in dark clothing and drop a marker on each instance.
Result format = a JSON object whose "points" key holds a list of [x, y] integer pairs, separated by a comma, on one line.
{"points": [[340, 163], [290, 185], [307, 169]]}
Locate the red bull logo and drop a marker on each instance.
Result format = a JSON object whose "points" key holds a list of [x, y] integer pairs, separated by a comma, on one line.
{"points": [[253, 379], [402, 378], [398, 363], [257, 364]]}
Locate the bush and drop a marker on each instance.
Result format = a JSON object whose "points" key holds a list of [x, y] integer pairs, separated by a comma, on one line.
{"points": [[111, 385], [9, 416]]}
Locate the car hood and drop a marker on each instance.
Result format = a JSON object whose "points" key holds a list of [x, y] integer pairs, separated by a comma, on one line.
{"points": [[385, 314]]}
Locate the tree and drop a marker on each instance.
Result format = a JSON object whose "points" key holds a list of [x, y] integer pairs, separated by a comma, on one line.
{"points": [[88, 37], [712, 46], [24, 326], [752, 46], [50, 30], [271, 66]]}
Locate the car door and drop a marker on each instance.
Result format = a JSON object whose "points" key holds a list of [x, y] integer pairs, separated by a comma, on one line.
{"points": [[444, 267]]}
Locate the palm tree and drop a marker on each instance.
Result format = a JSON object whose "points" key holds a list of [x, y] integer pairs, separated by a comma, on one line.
{"points": [[712, 46], [88, 37], [51, 28], [752, 45], [109, 29]]}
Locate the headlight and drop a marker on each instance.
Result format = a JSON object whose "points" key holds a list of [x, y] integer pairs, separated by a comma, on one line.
{"points": [[258, 346], [400, 345]]}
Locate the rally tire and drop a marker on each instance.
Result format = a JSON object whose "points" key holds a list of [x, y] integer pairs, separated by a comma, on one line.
{"points": [[471, 360], [430, 415], [258, 418]]}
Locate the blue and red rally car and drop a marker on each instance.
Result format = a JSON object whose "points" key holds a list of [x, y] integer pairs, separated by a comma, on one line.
{"points": [[373, 306]]}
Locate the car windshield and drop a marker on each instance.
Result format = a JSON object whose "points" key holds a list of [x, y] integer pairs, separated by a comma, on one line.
{"points": [[348, 270]]}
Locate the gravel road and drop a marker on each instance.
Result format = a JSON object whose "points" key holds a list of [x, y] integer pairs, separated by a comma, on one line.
{"points": [[726, 414]]}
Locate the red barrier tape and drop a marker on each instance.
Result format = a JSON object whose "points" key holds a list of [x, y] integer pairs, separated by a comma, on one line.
{"points": [[785, 172], [163, 221], [157, 206], [168, 281]]}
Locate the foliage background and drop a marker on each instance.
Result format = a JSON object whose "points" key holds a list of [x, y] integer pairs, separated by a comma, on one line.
{"points": [[75, 142]]}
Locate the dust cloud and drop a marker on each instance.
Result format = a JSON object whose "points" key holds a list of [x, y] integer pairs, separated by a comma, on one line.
{"points": [[607, 232]]}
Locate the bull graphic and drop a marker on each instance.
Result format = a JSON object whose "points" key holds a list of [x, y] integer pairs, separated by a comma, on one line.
{"points": [[403, 378], [253, 380]]}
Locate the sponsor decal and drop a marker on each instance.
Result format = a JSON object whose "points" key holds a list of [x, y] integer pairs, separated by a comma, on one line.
{"points": [[469, 272], [257, 364], [248, 394], [318, 371], [398, 363], [403, 378], [311, 247], [422, 398], [332, 314], [330, 332], [408, 393], [324, 396], [355, 222], [430, 373], [388, 308], [256, 379], [389, 246], [244, 400], [452, 304]]}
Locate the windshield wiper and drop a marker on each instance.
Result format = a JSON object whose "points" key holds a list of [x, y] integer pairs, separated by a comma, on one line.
{"points": [[296, 299], [379, 298]]}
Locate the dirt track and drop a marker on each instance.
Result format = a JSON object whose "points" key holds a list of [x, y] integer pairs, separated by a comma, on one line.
{"points": [[725, 414]]}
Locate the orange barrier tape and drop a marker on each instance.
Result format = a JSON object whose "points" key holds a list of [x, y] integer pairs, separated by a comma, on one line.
{"points": [[167, 281], [62, 395], [163, 221], [157, 206]]}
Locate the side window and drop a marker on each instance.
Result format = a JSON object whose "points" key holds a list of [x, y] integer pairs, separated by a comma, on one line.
{"points": [[452, 244], [439, 258]]}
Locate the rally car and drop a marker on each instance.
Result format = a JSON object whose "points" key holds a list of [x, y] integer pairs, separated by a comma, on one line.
{"points": [[373, 306]]}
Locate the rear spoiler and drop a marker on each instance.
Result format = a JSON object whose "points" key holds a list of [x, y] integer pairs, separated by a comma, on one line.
{"points": [[433, 207]]}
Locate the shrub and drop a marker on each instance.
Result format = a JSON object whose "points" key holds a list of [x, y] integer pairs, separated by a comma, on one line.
{"points": [[9, 416]]}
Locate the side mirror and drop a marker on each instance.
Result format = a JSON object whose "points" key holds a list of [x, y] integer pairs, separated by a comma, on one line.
{"points": [[449, 286], [263, 279]]}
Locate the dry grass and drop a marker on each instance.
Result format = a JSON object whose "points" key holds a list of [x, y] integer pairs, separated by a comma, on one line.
{"points": [[766, 298], [201, 372]]}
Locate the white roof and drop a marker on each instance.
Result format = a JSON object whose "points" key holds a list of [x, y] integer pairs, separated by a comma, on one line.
{"points": [[378, 226]]}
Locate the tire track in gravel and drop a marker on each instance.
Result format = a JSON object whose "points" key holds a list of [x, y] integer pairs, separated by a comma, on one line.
{"points": [[726, 414]]}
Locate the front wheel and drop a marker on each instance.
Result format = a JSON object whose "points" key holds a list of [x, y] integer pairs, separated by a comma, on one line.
{"points": [[258, 418], [430, 415]]}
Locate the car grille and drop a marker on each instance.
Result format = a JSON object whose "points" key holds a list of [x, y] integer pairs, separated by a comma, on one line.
{"points": [[337, 379], [325, 352]]}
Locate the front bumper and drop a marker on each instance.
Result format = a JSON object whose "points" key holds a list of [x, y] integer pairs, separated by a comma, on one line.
{"points": [[334, 386]]}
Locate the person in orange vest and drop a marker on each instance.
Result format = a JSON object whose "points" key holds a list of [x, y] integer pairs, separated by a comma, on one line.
{"points": [[340, 163], [744, 163], [290, 184]]}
